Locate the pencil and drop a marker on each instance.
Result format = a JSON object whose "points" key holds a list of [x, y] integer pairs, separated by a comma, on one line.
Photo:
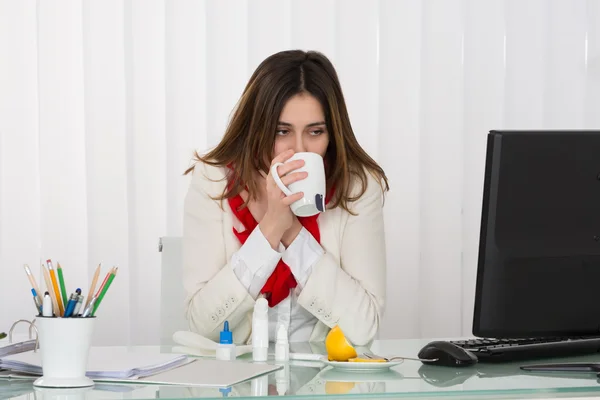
{"points": [[61, 280], [93, 285], [61, 308], [104, 281], [50, 290], [31, 279], [111, 277]]}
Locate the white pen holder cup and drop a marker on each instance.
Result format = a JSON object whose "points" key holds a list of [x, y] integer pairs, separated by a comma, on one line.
{"points": [[64, 347]]}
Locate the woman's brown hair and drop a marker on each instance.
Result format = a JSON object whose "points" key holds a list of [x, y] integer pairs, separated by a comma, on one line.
{"points": [[250, 136]]}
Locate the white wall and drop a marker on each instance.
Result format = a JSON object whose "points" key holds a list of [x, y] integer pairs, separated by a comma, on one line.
{"points": [[102, 103]]}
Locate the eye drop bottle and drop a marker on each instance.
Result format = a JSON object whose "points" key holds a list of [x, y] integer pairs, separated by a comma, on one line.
{"points": [[226, 349]]}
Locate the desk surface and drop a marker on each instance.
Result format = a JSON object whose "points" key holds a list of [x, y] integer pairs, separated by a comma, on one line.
{"points": [[408, 380]]}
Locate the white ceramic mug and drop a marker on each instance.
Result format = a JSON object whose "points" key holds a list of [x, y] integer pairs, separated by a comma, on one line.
{"points": [[64, 344], [313, 186]]}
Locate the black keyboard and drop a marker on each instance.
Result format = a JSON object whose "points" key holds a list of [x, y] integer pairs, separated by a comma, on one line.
{"points": [[506, 350]]}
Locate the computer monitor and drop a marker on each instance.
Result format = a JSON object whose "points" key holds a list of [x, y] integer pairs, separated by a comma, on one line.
{"points": [[538, 272]]}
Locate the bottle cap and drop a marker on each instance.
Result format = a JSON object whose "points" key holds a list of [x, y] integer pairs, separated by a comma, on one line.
{"points": [[261, 306], [282, 333], [226, 337]]}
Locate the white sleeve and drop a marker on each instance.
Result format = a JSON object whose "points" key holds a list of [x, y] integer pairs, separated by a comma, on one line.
{"points": [[350, 291], [301, 255], [255, 261]]}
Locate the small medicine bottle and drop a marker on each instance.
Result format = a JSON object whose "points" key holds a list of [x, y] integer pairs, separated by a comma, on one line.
{"points": [[226, 349], [282, 346]]}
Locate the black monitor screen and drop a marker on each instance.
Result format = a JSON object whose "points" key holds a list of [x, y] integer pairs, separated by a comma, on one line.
{"points": [[539, 253]]}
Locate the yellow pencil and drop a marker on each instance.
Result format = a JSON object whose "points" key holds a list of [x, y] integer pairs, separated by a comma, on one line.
{"points": [[93, 285], [61, 309], [50, 291]]}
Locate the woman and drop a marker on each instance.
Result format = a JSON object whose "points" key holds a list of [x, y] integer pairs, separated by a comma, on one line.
{"points": [[241, 239]]}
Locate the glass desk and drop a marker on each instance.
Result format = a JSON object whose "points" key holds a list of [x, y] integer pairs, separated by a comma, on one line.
{"points": [[310, 380]]}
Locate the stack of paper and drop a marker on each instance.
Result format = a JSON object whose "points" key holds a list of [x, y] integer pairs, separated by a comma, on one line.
{"points": [[16, 348], [146, 365], [109, 362]]}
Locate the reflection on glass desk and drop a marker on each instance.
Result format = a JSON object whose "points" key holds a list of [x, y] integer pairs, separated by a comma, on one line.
{"points": [[313, 380]]}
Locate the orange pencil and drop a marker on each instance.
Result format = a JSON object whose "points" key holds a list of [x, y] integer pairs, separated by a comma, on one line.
{"points": [[50, 291], [61, 308]]}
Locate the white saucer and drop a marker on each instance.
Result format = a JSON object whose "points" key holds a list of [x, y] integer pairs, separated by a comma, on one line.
{"points": [[362, 366], [63, 382]]}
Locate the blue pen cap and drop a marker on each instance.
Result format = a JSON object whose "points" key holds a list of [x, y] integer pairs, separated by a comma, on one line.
{"points": [[226, 336]]}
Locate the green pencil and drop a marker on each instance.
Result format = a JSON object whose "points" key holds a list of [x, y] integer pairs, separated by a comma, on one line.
{"points": [[111, 277], [61, 280]]}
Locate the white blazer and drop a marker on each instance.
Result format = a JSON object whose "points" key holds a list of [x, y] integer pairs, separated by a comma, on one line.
{"points": [[346, 286]]}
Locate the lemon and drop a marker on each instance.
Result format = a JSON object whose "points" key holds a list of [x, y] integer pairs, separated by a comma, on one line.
{"points": [[357, 359], [332, 387], [337, 346]]}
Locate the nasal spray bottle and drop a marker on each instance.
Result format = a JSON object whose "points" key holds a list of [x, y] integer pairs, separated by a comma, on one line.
{"points": [[260, 330]]}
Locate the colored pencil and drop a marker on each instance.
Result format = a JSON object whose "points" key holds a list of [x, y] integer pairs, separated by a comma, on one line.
{"points": [[105, 286], [50, 291], [93, 285], [61, 280], [61, 309], [32, 280]]}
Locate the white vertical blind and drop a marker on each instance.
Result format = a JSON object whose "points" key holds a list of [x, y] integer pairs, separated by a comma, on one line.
{"points": [[103, 102], [107, 161], [592, 64], [441, 164], [483, 49], [400, 152], [20, 217]]}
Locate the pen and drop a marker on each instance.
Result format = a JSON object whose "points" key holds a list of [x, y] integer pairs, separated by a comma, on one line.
{"points": [[563, 367], [47, 306], [61, 309], [61, 280], [105, 286], [31, 278], [71, 304], [88, 309], [49, 289], [36, 300], [78, 305]]}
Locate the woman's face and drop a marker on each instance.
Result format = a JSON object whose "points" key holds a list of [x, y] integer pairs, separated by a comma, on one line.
{"points": [[301, 126]]}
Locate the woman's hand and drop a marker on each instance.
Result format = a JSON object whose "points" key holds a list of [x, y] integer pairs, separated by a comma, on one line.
{"points": [[279, 217]]}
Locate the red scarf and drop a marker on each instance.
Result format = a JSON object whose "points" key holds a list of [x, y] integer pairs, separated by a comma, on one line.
{"points": [[282, 280]]}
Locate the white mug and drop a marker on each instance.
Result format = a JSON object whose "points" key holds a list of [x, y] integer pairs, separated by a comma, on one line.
{"points": [[313, 186]]}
